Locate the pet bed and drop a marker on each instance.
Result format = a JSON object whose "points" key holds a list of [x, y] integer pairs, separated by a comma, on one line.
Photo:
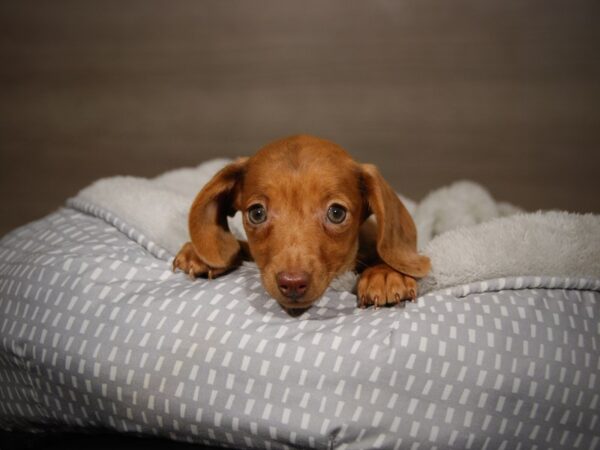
{"points": [[500, 351]]}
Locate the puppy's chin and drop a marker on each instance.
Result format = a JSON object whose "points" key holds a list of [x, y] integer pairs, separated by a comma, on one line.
{"points": [[295, 312]]}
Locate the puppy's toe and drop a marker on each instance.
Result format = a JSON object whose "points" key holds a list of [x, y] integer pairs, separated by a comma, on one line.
{"points": [[376, 292], [411, 290], [371, 288], [395, 288]]}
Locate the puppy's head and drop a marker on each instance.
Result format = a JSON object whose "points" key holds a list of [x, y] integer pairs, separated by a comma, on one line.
{"points": [[303, 200]]}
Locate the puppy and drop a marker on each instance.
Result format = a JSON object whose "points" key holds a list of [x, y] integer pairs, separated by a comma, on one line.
{"points": [[308, 212]]}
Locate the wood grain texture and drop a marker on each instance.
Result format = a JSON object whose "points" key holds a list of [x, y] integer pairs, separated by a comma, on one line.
{"points": [[504, 93]]}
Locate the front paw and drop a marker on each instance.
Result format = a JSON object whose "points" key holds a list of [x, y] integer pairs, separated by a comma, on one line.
{"points": [[187, 261], [381, 285]]}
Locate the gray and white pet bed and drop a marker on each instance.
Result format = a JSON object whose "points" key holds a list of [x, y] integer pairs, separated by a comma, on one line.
{"points": [[501, 350]]}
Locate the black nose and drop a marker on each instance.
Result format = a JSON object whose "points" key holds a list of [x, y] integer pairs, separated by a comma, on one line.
{"points": [[292, 284]]}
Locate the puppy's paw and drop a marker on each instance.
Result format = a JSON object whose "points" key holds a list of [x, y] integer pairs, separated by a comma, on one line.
{"points": [[187, 261], [381, 285]]}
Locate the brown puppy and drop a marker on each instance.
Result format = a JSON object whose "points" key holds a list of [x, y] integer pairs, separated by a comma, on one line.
{"points": [[305, 206]]}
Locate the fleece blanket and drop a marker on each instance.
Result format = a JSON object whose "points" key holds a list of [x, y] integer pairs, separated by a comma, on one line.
{"points": [[468, 235]]}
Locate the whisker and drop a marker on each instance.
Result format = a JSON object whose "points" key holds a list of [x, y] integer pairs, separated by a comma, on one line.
{"points": [[362, 264]]}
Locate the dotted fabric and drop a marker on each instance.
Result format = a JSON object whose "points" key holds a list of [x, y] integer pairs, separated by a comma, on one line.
{"points": [[97, 332]]}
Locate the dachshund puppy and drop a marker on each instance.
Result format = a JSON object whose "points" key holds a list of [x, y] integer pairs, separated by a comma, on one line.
{"points": [[307, 210]]}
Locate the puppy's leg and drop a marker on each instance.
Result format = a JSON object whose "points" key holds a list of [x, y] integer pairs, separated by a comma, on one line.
{"points": [[381, 285], [188, 261]]}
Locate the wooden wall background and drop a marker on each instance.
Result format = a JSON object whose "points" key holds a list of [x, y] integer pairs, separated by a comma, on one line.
{"points": [[506, 93]]}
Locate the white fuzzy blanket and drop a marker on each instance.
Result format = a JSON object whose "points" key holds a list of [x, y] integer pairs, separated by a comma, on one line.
{"points": [[467, 234]]}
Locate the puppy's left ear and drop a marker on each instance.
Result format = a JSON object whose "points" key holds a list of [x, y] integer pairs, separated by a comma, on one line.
{"points": [[396, 231]]}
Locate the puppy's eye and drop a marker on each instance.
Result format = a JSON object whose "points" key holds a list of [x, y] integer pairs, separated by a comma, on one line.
{"points": [[257, 214], [336, 214]]}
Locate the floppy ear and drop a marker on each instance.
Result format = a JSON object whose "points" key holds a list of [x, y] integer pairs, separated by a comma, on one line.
{"points": [[212, 241], [396, 231]]}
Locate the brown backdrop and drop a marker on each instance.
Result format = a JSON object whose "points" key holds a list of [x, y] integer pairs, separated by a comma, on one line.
{"points": [[506, 93]]}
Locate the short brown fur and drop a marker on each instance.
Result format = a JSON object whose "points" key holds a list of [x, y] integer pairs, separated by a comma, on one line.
{"points": [[296, 180]]}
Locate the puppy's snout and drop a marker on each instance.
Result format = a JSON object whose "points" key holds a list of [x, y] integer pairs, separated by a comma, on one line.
{"points": [[292, 284]]}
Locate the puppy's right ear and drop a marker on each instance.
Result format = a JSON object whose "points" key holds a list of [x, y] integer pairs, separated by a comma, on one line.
{"points": [[212, 241]]}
